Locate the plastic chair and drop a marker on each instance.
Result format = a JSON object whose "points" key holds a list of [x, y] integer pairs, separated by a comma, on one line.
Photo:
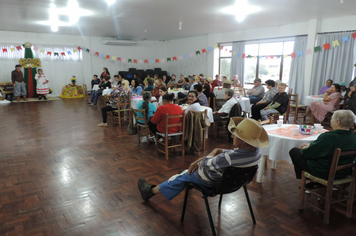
{"points": [[140, 126], [330, 183], [232, 180]]}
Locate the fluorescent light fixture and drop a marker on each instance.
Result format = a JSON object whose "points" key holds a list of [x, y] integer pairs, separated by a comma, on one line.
{"points": [[110, 2], [241, 9]]}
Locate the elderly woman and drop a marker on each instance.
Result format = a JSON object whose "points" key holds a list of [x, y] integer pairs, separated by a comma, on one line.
{"points": [[120, 92], [278, 105], [193, 102], [324, 89], [316, 157], [147, 105], [319, 109], [235, 81], [249, 136], [267, 98], [351, 104], [226, 108]]}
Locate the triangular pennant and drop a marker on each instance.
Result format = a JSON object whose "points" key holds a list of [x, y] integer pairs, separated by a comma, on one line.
{"points": [[345, 39], [146, 61], [83, 49], [308, 51], [239, 54], [215, 46], [243, 55], [203, 50], [4, 50], [292, 55], [186, 55], [87, 50], [135, 61], [168, 59], [129, 61], [300, 53], [79, 48], [12, 49], [19, 48], [157, 61], [119, 58], [162, 60], [56, 54], [63, 53], [180, 57], [49, 53], [336, 43], [174, 58], [152, 61], [113, 58], [102, 55], [97, 54], [75, 50], [326, 46], [210, 48], [317, 48], [69, 53], [354, 35], [197, 52]]}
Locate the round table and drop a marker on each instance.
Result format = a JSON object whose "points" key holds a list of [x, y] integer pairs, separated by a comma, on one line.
{"points": [[70, 91], [312, 98], [281, 141], [245, 104], [175, 92], [216, 88], [135, 100]]}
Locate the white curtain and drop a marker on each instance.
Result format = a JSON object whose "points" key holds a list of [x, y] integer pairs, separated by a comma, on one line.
{"points": [[296, 73], [334, 63], [237, 62]]}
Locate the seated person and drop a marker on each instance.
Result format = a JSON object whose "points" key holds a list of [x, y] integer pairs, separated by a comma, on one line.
{"points": [[208, 170], [267, 98], [164, 79], [158, 85], [236, 82], [208, 94], [162, 92], [158, 121], [323, 89], [149, 85], [208, 80], [122, 91], [103, 85], [343, 89], [319, 109], [192, 83], [172, 82], [278, 104], [226, 108], [216, 82], [179, 81], [220, 94], [186, 85], [136, 88], [257, 92], [95, 81], [316, 157], [351, 96], [203, 100], [117, 81], [148, 77], [193, 102], [147, 105]]}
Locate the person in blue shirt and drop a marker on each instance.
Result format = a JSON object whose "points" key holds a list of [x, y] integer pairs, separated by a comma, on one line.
{"points": [[147, 105], [192, 82], [136, 89]]}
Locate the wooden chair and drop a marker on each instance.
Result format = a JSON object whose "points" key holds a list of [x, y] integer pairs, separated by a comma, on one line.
{"points": [[232, 180], [285, 115], [217, 104], [211, 105], [166, 135], [119, 115], [328, 116], [240, 90], [331, 183], [141, 126], [235, 111], [294, 103], [85, 91]]}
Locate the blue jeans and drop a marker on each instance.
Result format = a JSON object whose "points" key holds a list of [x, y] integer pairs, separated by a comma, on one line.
{"points": [[20, 89], [254, 99], [264, 113], [95, 95]]}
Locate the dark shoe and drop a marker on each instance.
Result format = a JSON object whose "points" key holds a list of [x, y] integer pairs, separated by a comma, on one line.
{"points": [[312, 185], [39, 98], [145, 189], [44, 98]]}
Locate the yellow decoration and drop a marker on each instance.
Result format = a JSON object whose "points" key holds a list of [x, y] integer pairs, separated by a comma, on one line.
{"points": [[12, 49], [336, 43], [30, 62], [254, 56], [75, 50], [42, 51], [284, 56], [234, 53], [215, 46], [113, 58]]}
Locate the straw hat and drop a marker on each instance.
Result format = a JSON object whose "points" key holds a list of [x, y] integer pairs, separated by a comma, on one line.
{"points": [[209, 79], [249, 131], [227, 82]]}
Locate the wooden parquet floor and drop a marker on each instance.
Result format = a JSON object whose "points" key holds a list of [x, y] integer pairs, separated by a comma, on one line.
{"points": [[60, 174]]}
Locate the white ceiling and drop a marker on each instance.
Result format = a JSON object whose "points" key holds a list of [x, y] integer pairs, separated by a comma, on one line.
{"points": [[128, 19]]}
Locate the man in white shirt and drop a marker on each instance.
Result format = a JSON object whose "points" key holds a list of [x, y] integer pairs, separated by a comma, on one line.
{"points": [[220, 94], [226, 108]]}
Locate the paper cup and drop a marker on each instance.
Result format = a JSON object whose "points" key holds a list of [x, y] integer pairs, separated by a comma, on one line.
{"points": [[319, 129], [281, 117], [295, 131], [316, 125], [279, 123]]}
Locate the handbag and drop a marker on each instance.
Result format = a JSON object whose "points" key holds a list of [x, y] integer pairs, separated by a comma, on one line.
{"points": [[207, 121], [131, 129]]}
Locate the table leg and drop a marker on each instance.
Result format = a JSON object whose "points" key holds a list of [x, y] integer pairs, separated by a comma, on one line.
{"points": [[261, 168], [274, 165]]}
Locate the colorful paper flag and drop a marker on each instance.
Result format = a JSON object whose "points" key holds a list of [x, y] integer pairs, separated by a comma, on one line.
{"points": [[203, 50], [4, 50], [157, 61], [192, 54], [186, 55], [49, 53], [83, 48], [168, 59], [162, 60], [12, 49], [308, 51], [354, 35], [87, 50], [326, 46], [234, 53], [300, 53], [292, 55], [140, 61], [123, 60], [79, 48], [180, 57], [129, 61], [97, 54], [243, 55], [56, 54], [197, 52], [239, 54], [135, 61], [146, 61], [113, 58], [210, 48], [102, 55], [317, 48], [152, 61], [63, 53], [174, 58], [35, 48], [336, 43], [75, 50], [345, 39], [119, 59], [19, 48], [215, 46]]}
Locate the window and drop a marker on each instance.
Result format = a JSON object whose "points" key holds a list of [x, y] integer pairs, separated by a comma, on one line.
{"points": [[225, 61]]}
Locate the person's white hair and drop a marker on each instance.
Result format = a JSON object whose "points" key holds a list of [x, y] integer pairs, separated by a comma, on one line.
{"points": [[345, 117]]}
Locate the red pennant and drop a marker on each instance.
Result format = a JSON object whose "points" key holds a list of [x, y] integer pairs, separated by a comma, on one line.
{"points": [[326, 46], [49, 53], [97, 54], [292, 55], [19, 48], [135, 61], [203, 50], [79, 48], [63, 54], [119, 58], [146, 61], [271, 57], [157, 61], [243, 55], [354, 35], [4, 50], [174, 58], [221, 48], [107, 56]]}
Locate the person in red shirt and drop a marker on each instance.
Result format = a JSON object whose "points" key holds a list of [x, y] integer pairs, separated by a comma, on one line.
{"points": [[215, 83], [105, 73], [158, 121], [158, 85]]}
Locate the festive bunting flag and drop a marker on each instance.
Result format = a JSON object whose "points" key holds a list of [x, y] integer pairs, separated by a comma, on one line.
{"points": [[56, 54], [87, 50], [92, 53], [284, 56], [79, 48], [174, 58], [271, 57], [278, 57], [215, 46], [162, 60], [239, 54], [123, 59], [4, 50], [221, 48], [140, 61], [203, 50], [129, 61], [326, 46], [35, 48], [42, 51], [69, 53], [157, 61], [192, 54], [292, 55], [300, 53], [336, 43], [254, 56], [146, 61], [113, 58], [186, 55], [135, 61], [97, 54], [197, 52], [317, 49], [168, 59], [63, 53], [354, 35], [12, 49], [249, 56], [266, 57], [49, 53], [119, 58], [83, 48], [19, 48], [243, 55], [308, 51], [260, 57], [180, 58], [234, 54], [345, 39], [152, 61], [210, 48], [102, 55], [75, 50]]}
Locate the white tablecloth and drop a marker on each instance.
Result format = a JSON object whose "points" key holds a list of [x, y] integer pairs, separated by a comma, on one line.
{"points": [[245, 104], [311, 98], [134, 101], [175, 92]]}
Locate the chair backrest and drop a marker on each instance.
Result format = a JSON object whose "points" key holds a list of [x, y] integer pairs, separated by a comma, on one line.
{"points": [[336, 107], [124, 101], [239, 90], [235, 110], [181, 123], [290, 90], [144, 119], [293, 99], [218, 102], [286, 118], [335, 167], [234, 178]]}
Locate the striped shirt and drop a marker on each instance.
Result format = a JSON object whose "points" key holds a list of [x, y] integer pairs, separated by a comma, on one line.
{"points": [[211, 169]]}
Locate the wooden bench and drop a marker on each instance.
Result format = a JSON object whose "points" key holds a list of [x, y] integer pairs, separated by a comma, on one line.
{"points": [[7, 89]]}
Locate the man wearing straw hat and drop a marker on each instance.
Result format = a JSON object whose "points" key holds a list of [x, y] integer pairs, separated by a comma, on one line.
{"points": [[249, 136]]}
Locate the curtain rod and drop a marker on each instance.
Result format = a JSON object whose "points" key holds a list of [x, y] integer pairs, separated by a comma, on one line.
{"points": [[264, 39], [338, 32]]}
